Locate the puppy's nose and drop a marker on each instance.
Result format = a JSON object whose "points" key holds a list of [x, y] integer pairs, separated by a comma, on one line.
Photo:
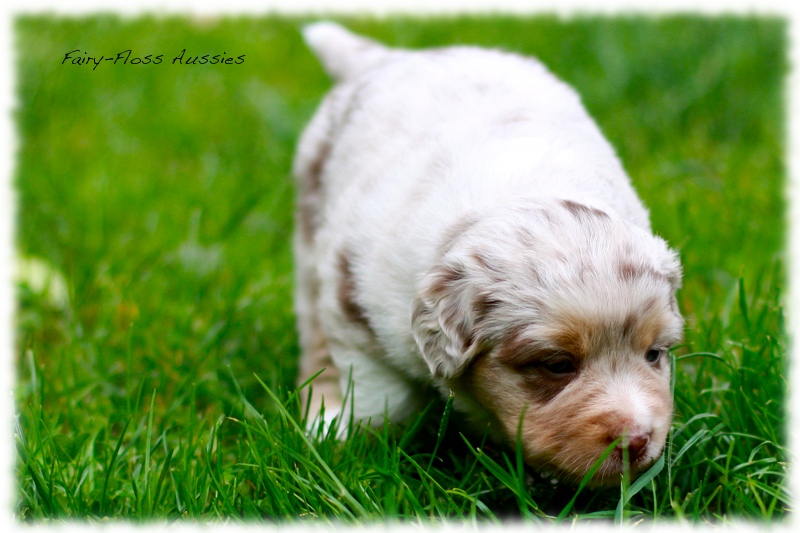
{"points": [[637, 445]]}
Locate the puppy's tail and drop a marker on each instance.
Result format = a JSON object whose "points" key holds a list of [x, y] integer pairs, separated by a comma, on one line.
{"points": [[343, 54]]}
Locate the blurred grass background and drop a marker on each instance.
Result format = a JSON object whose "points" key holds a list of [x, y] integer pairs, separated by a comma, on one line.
{"points": [[158, 197]]}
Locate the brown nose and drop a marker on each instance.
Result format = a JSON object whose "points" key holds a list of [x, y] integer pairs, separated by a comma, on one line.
{"points": [[637, 445]]}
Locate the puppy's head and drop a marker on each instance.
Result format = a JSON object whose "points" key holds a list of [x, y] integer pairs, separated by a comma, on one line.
{"points": [[554, 320]]}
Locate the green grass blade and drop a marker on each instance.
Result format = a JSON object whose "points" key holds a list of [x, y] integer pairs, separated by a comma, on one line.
{"points": [[285, 415]]}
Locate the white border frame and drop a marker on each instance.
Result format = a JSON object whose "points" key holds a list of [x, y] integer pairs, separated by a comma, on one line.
{"points": [[565, 8]]}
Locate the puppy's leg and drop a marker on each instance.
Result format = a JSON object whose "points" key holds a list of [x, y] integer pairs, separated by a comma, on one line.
{"points": [[378, 389], [309, 167], [315, 351]]}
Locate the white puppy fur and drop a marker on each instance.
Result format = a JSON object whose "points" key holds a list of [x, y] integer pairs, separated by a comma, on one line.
{"points": [[463, 225]]}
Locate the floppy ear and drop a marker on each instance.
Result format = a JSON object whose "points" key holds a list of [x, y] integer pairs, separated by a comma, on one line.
{"points": [[443, 320]]}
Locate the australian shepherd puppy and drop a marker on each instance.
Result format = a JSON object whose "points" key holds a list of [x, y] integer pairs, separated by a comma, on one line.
{"points": [[462, 225]]}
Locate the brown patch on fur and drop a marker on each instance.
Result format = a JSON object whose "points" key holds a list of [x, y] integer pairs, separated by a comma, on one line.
{"points": [[453, 316], [309, 191], [639, 329], [649, 326], [528, 359], [481, 260], [627, 271], [483, 305], [347, 294], [576, 336], [649, 304], [306, 220], [514, 349], [542, 388], [579, 210], [455, 231], [487, 265], [446, 278], [488, 376], [479, 379], [628, 325], [317, 166]]}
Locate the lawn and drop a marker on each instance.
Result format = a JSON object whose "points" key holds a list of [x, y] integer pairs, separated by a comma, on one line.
{"points": [[155, 346]]}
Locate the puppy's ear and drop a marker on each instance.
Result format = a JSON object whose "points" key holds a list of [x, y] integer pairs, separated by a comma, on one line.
{"points": [[670, 266], [444, 320], [673, 271]]}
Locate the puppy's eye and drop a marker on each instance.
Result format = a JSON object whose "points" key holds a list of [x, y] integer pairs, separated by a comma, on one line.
{"points": [[653, 355], [561, 366]]}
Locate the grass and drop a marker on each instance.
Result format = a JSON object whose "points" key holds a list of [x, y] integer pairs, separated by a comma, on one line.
{"points": [[155, 346]]}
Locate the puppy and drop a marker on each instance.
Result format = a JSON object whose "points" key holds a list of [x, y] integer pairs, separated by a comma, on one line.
{"points": [[463, 225]]}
